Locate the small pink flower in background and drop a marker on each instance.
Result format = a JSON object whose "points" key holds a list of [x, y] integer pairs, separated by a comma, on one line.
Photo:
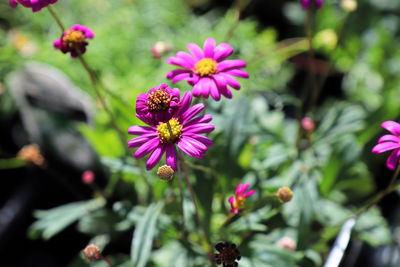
{"points": [[73, 40], [88, 177], [182, 129], [36, 5], [159, 104], [390, 142], [237, 202], [206, 70], [307, 124], [307, 3], [287, 243], [160, 48]]}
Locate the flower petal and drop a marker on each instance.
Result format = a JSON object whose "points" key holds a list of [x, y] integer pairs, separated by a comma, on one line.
{"points": [[205, 140], [222, 51], [179, 62], [389, 137], [392, 160], [208, 47], [140, 140], [173, 73], [238, 73], [231, 81], [186, 57], [180, 77], [199, 128], [171, 157], [244, 188], [238, 189], [147, 147], [191, 112], [392, 127], [195, 50], [215, 93], [185, 104], [200, 119], [197, 90], [231, 64], [249, 193], [155, 157], [140, 130], [188, 148], [382, 147]]}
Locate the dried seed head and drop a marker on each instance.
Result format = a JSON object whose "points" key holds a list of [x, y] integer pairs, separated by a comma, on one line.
{"points": [[228, 254], [31, 153], [92, 252], [166, 173], [284, 194]]}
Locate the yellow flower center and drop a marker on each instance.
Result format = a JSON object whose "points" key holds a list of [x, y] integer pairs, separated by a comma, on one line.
{"points": [[158, 100], [239, 203], [74, 39], [206, 67], [169, 132]]}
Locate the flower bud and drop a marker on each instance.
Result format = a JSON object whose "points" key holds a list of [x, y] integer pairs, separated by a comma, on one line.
{"points": [[349, 5], [92, 252], [159, 49], [88, 177], [307, 124], [284, 194], [287, 243], [31, 153], [166, 173]]}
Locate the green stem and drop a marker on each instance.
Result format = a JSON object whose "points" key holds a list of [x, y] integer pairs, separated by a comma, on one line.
{"points": [[311, 56], [182, 201], [56, 18], [236, 22]]}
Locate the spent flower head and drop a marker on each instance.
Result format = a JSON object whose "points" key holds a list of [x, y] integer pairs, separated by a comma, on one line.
{"points": [[35, 5], [31, 153], [92, 252], [165, 173], [182, 130], [227, 254], [237, 202], [207, 70], [159, 104], [73, 40], [284, 194], [389, 142]]}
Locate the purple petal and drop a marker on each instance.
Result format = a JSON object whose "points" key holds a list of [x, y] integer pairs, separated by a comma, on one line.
{"points": [[199, 128], [13, 3], [185, 103], [199, 146], [191, 112], [231, 64], [195, 50], [180, 77], [171, 157], [249, 193], [382, 147], [392, 160], [179, 62], [188, 148], [147, 147], [201, 119], [141, 130], [231, 200], [173, 73], [208, 47], [205, 140], [214, 91], [197, 90], [244, 188], [222, 51], [231, 81], [155, 157], [227, 93], [392, 127], [238, 189], [138, 141], [186, 57], [238, 73], [389, 137]]}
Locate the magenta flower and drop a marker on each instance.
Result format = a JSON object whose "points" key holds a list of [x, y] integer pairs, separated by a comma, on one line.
{"points": [[307, 3], [182, 129], [206, 70], [73, 40], [36, 5], [390, 142], [158, 105], [237, 202]]}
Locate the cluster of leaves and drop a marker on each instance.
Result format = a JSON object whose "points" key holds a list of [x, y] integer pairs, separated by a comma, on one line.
{"points": [[256, 139]]}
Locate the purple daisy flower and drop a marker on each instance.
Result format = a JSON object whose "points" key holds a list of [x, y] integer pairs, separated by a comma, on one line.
{"points": [[206, 70], [159, 104], [389, 142], [36, 5], [74, 39], [182, 129], [307, 3]]}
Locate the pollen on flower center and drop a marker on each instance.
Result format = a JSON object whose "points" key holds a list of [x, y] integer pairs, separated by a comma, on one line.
{"points": [[206, 67], [239, 203], [74, 39], [159, 100], [169, 133]]}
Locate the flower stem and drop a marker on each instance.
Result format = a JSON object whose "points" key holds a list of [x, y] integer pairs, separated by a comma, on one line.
{"points": [[56, 18], [107, 261], [375, 200], [182, 201], [236, 22], [314, 91], [192, 196]]}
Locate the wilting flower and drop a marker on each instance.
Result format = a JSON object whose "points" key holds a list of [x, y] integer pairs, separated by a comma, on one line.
{"points": [[36, 5], [182, 129], [73, 40], [237, 202], [307, 3], [92, 252], [390, 142], [284, 194], [207, 70], [228, 254], [159, 104]]}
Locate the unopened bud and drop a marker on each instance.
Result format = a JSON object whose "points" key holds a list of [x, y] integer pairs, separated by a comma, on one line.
{"points": [[349, 5], [287, 243], [92, 252], [159, 49], [165, 173], [31, 153], [284, 194], [307, 124], [88, 177]]}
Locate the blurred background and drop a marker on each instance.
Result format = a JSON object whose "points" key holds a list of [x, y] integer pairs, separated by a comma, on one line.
{"points": [[53, 129]]}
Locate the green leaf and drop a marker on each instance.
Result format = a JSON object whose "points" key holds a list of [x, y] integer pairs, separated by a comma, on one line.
{"points": [[144, 234], [52, 221]]}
